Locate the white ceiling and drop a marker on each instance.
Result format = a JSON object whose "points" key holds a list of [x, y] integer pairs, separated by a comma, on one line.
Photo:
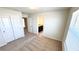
{"points": [[38, 10]]}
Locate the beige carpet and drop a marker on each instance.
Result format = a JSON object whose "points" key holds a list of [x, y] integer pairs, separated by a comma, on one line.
{"points": [[32, 42]]}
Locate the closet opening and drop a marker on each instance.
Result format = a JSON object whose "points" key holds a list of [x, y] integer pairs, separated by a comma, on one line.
{"points": [[25, 24]]}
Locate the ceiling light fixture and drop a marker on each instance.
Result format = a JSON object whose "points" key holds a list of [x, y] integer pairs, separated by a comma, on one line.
{"points": [[33, 7]]}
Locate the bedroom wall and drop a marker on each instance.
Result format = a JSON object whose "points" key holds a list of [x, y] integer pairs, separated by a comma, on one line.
{"points": [[54, 23]]}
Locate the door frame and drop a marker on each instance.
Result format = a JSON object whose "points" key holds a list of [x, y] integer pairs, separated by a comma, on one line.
{"points": [[25, 23]]}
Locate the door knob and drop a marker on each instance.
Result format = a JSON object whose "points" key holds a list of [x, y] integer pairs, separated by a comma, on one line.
{"points": [[3, 31]]}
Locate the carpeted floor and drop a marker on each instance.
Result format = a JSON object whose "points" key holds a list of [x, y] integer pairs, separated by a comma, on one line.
{"points": [[32, 42]]}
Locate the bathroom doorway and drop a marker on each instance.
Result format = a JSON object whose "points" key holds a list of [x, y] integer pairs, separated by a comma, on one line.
{"points": [[40, 23]]}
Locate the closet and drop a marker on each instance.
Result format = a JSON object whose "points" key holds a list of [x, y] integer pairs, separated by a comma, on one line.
{"points": [[10, 29], [17, 26], [11, 25], [2, 41]]}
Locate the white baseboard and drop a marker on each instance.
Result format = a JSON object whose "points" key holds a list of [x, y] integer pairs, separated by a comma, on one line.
{"points": [[3, 44], [64, 46], [51, 37]]}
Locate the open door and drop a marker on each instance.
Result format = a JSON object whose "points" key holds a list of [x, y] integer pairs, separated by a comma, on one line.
{"points": [[30, 25], [25, 25], [40, 23]]}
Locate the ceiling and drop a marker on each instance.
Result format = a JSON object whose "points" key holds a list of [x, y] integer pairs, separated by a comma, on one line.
{"points": [[38, 9]]}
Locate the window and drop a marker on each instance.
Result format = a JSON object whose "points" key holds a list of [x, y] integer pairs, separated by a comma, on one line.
{"points": [[77, 23]]}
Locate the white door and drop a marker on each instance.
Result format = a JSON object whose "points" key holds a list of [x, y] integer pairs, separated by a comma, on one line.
{"points": [[7, 29], [30, 25], [2, 41], [17, 26]]}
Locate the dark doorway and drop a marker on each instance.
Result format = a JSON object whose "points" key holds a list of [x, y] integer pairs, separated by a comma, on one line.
{"points": [[25, 23], [40, 28], [40, 23]]}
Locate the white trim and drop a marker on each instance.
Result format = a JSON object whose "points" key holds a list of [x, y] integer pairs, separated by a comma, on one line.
{"points": [[2, 44], [51, 37]]}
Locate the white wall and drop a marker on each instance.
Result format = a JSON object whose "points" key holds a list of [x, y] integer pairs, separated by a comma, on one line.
{"points": [[71, 40], [54, 23], [9, 12], [24, 15]]}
